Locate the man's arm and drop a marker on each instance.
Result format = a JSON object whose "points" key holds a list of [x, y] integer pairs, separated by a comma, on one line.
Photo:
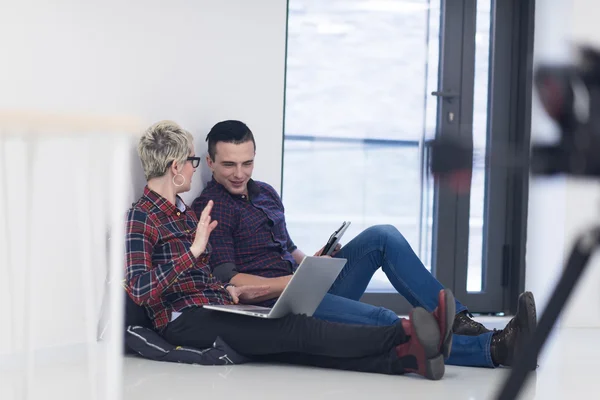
{"points": [[298, 255], [228, 273], [294, 250], [276, 285], [223, 253]]}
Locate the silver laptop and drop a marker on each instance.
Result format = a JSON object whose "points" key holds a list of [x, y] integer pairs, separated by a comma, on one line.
{"points": [[302, 295]]}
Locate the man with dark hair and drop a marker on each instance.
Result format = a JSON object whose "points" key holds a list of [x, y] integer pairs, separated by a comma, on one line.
{"points": [[251, 246], [235, 132]]}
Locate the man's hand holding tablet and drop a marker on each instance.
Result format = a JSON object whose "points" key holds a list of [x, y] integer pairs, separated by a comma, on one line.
{"points": [[333, 245]]}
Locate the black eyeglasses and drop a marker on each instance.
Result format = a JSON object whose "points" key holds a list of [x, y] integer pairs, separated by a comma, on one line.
{"points": [[195, 161]]}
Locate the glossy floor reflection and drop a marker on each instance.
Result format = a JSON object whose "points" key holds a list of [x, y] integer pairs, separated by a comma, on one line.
{"points": [[568, 369]]}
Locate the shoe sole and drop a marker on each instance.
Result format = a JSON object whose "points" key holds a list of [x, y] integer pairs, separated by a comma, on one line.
{"points": [[527, 319], [450, 310], [529, 316], [427, 332]]}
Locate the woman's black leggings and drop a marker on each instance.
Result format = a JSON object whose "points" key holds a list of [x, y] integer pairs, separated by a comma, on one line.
{"points": [[295, 339]]}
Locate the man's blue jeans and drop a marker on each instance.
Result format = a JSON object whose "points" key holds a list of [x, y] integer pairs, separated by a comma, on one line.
{"points": [[384, 246]]}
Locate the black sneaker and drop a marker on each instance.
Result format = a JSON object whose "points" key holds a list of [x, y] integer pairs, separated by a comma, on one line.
{"points": [[507, 342], [464, 325]]}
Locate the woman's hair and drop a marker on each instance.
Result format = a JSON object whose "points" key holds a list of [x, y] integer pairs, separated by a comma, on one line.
{"points": [[161, 144]]}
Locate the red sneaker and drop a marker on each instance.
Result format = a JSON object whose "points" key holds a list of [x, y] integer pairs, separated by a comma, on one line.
{"points": [[421, 353], [444, 314]]}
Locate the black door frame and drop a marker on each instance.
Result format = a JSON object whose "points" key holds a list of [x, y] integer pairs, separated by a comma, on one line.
{"points": [[506, 188]]}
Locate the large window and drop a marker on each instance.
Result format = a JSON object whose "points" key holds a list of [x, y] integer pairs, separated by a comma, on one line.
{"points": [[357, 111], [368, 83]]}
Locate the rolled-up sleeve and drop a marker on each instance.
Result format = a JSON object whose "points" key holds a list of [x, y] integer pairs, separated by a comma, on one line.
{"points": [[225, 272], [291, 246]]}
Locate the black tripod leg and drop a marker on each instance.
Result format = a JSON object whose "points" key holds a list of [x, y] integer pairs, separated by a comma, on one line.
{"points": [[580, 255]]}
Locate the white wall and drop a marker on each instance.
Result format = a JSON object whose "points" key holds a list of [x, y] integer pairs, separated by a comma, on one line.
{"points": [[560, 208], [193, 61]]}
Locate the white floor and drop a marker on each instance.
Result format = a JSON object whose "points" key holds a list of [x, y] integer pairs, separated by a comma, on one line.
{"points": [[568, 369]]}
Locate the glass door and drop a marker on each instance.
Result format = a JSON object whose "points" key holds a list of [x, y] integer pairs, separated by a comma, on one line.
{"points": [[462, 113], [368, 83], [357, 113], [484, 248]]}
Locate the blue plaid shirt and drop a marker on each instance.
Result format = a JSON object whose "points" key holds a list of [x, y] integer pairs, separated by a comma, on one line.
{"points": [[161, 271], [251, 236]]}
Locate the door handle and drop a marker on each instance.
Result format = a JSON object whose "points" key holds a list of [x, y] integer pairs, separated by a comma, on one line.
{"points": [[447, 95]]}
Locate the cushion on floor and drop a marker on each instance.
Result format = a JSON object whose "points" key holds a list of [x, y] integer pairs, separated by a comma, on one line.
{"points": [[141, 339], [149, 344]]}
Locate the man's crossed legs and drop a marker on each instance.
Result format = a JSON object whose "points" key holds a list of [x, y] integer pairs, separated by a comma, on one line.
{"points": [[384, 246]]}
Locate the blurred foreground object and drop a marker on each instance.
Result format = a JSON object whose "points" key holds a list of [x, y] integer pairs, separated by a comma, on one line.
{"points": [[571, 97], [570, 94], [452, 162], [64, 180]]}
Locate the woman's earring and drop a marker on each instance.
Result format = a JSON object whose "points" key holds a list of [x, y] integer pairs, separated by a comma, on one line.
{"points": [[182, 181]]}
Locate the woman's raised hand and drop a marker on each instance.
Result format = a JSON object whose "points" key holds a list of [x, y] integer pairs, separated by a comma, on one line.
{"points": [[203, 230]]}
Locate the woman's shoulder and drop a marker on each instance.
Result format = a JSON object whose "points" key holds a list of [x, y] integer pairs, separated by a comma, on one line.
{"points": [[141, 210]]}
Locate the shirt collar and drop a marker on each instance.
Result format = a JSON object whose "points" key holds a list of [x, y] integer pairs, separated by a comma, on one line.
{"points": [[163, 204], [253, 189]]}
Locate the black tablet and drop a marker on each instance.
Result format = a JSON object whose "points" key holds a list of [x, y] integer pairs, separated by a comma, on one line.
{"points": [[334, 239]]}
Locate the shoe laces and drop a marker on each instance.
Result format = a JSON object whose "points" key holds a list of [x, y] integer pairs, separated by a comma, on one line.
{"points": [[471, 321]]}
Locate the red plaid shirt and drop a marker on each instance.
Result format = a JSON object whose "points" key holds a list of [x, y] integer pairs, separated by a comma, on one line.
{"points": [[162, 274]]}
